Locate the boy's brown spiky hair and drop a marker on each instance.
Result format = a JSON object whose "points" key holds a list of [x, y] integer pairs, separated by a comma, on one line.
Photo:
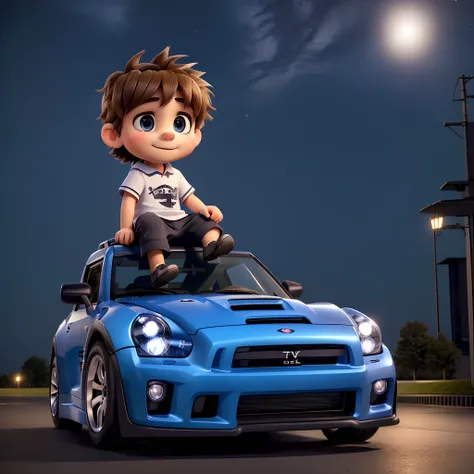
{"points": [[138, 83]]}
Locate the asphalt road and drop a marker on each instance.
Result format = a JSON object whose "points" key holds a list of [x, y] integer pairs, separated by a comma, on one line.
{"points": [[428, 440]]}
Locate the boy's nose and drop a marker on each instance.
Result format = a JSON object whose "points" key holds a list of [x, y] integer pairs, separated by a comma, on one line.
{"points": [[167, 136]]}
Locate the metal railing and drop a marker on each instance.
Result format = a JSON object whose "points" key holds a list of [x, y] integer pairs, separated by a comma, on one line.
{"points": [[438, 400]]}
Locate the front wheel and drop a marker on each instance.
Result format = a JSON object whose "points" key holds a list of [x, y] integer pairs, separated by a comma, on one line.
{"points": [[349, 435], [101, 412]]}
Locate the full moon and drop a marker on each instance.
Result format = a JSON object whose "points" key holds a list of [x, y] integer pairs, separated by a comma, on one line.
{"points": [[408, 31]]}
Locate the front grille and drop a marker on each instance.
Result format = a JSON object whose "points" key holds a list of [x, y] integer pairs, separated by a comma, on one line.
{"points": [[289, 355], [294, 406]]}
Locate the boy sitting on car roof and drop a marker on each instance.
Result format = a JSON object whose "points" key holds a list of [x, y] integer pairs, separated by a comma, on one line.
{"points": [[153, 114]]}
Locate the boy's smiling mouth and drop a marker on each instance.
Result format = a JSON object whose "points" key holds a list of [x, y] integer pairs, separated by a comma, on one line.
{"points": [[154, 146]]}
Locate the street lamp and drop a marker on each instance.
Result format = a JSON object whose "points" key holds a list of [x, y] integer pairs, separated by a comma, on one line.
{"points": [[18, 378], [436, 225]]}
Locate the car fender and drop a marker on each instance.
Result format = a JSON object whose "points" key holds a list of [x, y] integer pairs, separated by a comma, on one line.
{"points": [[112, 324], [98, 331]]}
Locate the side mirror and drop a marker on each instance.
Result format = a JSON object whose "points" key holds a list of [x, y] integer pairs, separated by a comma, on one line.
{"points": [[294, 289], [77, 293]]}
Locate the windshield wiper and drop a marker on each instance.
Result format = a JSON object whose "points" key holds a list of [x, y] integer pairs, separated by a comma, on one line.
{"points": [[233, 290], [148, 292]]}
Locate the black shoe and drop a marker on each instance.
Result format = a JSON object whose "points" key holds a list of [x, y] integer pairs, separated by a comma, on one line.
{"points": [[216, 248], [163, 274]]}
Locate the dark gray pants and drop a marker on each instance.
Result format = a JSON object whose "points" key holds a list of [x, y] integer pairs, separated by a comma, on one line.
{"points": [[155, 233]]}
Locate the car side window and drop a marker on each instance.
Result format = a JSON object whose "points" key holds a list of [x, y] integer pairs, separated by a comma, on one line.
{"points": [[92, 277]]}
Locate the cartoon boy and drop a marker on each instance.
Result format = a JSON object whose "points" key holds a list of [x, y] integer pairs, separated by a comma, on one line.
{"points": [[153, 114]]}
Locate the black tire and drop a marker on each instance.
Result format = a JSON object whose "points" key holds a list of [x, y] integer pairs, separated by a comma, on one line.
{"points": [[349, 435], [54, 389], [107, 434]]}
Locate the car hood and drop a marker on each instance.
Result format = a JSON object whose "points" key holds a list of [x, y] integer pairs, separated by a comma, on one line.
{"points": [[195, 312]]}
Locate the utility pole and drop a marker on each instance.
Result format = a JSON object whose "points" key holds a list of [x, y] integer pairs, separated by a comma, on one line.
{"points": [[469, 152], [468, 193], [435, 253]]}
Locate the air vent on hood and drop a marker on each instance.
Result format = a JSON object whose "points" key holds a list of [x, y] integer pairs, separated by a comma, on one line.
{"points": [[278, 321], [257, 307]]}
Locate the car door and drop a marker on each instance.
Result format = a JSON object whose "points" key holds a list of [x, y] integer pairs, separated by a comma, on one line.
{"points": [[76, 330]]}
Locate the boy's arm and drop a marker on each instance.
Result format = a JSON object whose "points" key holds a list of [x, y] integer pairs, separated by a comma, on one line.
{"points": [[194, 204], [130, 190], [125, 235]]}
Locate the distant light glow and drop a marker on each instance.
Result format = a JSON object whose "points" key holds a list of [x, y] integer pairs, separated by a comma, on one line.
{"points": [[408, 31]]}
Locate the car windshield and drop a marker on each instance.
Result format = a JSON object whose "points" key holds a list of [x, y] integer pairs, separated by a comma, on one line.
{"points": [[231, 274]]}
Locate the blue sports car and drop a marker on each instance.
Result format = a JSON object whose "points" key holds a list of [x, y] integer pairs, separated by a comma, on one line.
{"points": [[223, 349]]}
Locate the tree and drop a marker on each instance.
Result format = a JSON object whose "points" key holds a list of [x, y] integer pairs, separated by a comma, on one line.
{"points": [[4, 381], [36, 372], [444, 353], [413, 347]]}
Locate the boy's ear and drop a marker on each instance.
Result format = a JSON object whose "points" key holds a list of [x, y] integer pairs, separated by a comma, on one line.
{"points": [[110, 136], [197, 136]]}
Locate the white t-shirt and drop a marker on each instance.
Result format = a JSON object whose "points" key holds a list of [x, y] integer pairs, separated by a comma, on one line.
{"points": [[159, 193]]}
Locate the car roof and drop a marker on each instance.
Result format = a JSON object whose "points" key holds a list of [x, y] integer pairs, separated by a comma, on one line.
{"points": [[127, 250]]}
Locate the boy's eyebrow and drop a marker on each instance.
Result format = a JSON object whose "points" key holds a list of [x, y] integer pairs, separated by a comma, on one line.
{"points": [[181, 101]]}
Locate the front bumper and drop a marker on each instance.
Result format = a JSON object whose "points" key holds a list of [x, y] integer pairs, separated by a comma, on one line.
{"points": [[132, 373]]}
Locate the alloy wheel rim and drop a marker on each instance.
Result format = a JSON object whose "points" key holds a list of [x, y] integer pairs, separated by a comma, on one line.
{"points": [[96, 395], [54, 391]]}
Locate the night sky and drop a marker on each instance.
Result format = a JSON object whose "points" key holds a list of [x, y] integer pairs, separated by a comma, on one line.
{"points": [[325, 145]]}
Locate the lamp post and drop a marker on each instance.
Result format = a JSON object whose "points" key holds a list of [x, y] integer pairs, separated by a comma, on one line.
{"points": [[436, 225], [18, 378]]}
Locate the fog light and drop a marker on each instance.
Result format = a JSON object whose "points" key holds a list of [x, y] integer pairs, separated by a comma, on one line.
{"points": [[156, 391], [380, 387]]}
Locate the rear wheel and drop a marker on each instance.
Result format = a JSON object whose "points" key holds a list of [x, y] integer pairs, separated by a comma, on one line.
{"points": [[349, 435], [54, 387], [101, 406]]}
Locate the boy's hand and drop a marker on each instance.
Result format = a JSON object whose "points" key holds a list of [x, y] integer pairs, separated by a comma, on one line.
{"points": [[213, 213], [124, 236]]}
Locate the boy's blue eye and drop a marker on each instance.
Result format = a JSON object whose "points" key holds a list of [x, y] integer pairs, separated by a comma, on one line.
{"points": [[182, 124], [145, 123]]}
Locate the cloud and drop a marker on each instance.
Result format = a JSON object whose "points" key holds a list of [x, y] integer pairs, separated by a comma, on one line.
{"points": [[290, 38], [111, 13]]}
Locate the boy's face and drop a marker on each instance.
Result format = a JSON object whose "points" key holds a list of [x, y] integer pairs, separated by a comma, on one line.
{"points": [[157, 134]]}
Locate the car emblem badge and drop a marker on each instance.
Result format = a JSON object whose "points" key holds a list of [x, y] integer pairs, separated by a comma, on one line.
{"points": [[286, 330]]}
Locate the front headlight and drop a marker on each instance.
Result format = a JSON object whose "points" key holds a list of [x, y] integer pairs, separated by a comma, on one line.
{"points": [[153, 336], [369, 333]]}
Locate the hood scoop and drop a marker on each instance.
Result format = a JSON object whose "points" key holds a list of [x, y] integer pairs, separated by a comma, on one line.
{"points": [[297, 320], [256, 305]]}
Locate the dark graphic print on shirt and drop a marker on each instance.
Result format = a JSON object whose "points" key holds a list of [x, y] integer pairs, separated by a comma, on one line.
{"points": [[166, 195]]}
